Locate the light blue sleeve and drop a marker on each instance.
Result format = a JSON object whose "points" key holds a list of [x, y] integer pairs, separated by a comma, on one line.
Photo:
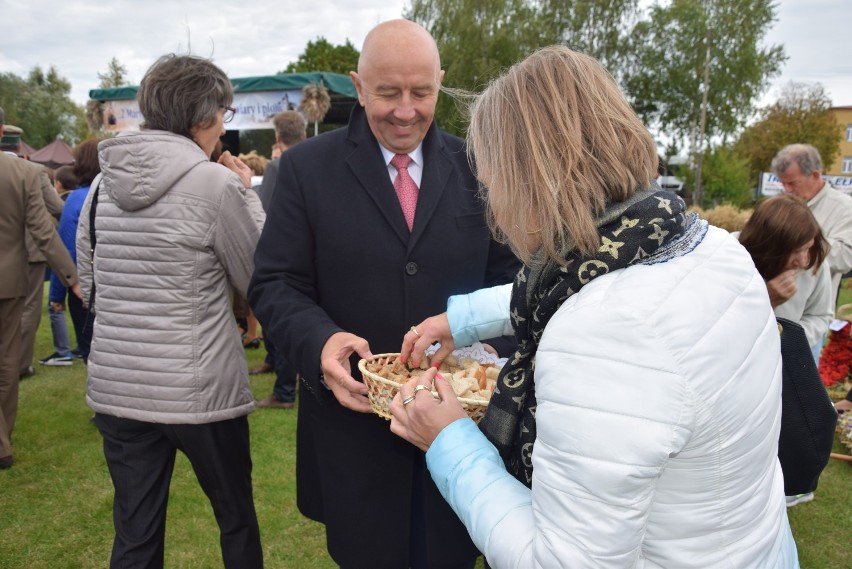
{"points": [[480, 315], [471, 477]]}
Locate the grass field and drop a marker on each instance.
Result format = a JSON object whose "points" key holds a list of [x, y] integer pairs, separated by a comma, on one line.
{"points": [[55, 503]]}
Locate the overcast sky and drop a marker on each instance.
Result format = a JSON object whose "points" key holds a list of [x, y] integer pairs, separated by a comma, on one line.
{"points": [[256, 37]]}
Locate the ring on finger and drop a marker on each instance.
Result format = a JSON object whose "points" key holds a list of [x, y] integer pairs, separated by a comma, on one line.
{"points": [[407, 400], [423, 388], [416, 333]]}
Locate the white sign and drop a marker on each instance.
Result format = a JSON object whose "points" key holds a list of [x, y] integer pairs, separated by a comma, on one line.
{"points": [[254, 111], [770, 185], [121, 115]]}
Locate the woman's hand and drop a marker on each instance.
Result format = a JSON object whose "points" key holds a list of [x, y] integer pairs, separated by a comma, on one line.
{"points": [[418, 416], [237, 166], [420, 337], [782, 287]]}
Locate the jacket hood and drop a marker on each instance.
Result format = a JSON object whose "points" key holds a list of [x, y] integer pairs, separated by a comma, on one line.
{"points": [[139, 167]]}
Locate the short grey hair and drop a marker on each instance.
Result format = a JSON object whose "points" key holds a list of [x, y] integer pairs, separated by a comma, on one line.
{"points": [[290, 127], [180, 92], [804, 155]]}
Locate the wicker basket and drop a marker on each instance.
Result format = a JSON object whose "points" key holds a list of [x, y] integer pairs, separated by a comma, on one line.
{"points": [[381, 392]]}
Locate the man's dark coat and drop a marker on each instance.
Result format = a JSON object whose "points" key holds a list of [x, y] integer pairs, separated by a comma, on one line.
{"points": [[336, 255]]}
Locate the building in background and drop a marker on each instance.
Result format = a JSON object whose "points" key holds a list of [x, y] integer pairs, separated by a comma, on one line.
{"points": [[842, 166]]}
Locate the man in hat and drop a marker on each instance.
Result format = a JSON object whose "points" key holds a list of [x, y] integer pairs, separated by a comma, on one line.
{"points": [[20, 191], [36, 262]]}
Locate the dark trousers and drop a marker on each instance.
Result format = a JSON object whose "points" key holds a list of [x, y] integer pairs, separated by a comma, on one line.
{"points": [[284, 389], [11, 310], [84, 322], [141, 457]]}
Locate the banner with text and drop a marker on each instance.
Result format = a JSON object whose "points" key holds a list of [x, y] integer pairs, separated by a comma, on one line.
{"points": [[254, 111], [770, 185]]}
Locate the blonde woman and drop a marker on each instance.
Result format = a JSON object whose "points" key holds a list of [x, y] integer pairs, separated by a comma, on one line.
{"points": [[637, 425]]}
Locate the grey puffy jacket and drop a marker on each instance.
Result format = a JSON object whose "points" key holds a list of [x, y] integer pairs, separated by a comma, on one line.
{"points": [[174, 233]]}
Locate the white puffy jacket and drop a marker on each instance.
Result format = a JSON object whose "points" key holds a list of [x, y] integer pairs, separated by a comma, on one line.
{"points": [[174, 233], [659, 407]]}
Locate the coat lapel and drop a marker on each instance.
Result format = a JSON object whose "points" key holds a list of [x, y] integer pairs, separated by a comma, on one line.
{"points": [[368, 167], [436, 174]]}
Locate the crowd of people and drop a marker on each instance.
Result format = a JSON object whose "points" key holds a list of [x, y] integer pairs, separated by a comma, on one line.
{"points": [[628, 428]]}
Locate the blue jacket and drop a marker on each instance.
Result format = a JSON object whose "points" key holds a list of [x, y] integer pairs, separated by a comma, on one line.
{"points": [[68, 233]]}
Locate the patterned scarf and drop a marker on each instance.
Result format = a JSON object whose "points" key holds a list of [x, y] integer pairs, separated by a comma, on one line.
{"points": [[649, 227]]}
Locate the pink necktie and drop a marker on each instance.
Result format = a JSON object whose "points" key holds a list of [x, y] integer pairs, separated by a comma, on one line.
{"points": [[406, 189]]}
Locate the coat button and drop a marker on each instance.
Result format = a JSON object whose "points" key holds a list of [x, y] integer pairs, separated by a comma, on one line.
{"points": [[411, 268]]}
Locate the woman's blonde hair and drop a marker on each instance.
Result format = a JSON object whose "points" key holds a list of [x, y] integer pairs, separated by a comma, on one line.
{"points": [[554, 141], [255, 161]]}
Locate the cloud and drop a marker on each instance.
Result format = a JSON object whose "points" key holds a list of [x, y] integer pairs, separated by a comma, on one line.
{"points": [[260, 38], [244, 38]]}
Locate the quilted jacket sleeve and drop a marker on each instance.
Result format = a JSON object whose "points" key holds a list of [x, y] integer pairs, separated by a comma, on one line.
{"points": [[480, 315], [236, 233]]}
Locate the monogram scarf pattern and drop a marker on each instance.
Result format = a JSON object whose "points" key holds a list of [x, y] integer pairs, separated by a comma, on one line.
{"points": [[649, 227]]}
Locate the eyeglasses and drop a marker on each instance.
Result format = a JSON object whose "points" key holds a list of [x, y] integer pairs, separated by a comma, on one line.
{"points": [[229, 113]]}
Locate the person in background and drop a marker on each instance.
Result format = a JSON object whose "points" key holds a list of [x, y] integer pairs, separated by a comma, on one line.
{"points": [[86, 168], [37, 265], [371, 228], [245, 317], [257, 163], [630, 429], [799, 167], [23, 211], [786, 243], [787, 247], [290, 129], [167, 370], [65, 182]]}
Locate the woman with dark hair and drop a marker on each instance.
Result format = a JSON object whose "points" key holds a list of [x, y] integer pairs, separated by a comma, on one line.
{"points": [[637, 424], [788, 248], [86, 167], [174, 238]]}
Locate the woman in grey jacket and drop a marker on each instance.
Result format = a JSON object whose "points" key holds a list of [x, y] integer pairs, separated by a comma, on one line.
{"points": [[174, 234]]}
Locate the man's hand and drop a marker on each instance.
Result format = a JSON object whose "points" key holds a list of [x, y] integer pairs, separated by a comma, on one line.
{"points": [[334, 362], [57, 306], [782, 288], [75, 289]]}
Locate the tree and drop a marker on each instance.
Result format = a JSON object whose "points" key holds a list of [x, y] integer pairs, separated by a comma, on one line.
{"points": [[700, 67], [478, 39], [42, 107], [599, 28], [320, 55], [725, 178], [801, 114], [115, 76]]}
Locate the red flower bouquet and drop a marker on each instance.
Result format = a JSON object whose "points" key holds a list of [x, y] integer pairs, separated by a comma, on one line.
{"points": [[836, 357]]}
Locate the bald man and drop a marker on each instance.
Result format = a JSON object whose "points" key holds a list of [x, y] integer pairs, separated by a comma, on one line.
{"points": [[370, 229]]}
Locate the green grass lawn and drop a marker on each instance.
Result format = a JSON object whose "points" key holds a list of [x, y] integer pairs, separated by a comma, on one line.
{"points": [[55, 503]]}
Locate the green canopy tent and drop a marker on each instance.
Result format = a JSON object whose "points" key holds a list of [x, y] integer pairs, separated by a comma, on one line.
{"points": [[257, 100]]}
